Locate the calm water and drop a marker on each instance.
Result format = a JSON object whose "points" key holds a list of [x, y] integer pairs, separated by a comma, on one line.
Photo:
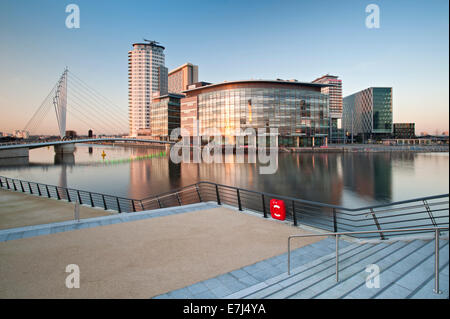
{"points": [[350, 180]]}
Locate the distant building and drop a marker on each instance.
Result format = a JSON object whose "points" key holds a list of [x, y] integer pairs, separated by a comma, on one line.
{"points": [[368, 113], [144, 132], [334, 91], [404, 130], [181, 77], [165, 115], [71, 134], [21, 134], [146, 74]]}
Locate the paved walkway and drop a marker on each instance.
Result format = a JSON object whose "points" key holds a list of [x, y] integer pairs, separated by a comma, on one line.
{"points": [[253, 277], [19, 209], [141, 258]]}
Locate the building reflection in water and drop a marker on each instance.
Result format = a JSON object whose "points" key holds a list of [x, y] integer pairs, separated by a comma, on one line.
{"points": [[347, 179], [321, 177], [154, 175], [369, 175], [309, 176]]}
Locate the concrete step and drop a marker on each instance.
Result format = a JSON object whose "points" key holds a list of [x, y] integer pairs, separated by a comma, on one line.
{"points": [[357, 282], [307, 273], [394, 267], [415, 278], [427, 290], [295, 259], [326, 280]]}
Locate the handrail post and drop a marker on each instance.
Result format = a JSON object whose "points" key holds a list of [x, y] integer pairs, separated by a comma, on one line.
{"points": [[1, 183], [198, 193], [377, 223], [57, 193], [294, 216], [92, 201], [134, 207], [79, 197], [68, 195], [178, 199], [21, 186], [104, 202], [239, 199], [217, 195], [264, 206], [29, 186], [436, 262], [335, 228], [142, 205], [48, 192], [159, 202], [118, 205], [337, 258], [289, 256], [430, 214], [39, 189], [7, 184], [14, 184]]}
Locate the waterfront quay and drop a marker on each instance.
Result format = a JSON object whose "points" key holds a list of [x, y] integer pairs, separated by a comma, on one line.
{"points": [[138, 255], [344, 148], [213, 250]]}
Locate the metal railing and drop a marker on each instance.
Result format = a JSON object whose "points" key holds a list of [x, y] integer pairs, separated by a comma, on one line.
{"points": [[94, 199], [431, 211], [436, 230]]}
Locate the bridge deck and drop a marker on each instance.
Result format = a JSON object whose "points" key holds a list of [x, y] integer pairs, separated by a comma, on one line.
{"points": [[85, 140]]}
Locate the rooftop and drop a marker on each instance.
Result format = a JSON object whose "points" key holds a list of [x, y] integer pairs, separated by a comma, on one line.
{"points": [[180, 67], [278, 81]]}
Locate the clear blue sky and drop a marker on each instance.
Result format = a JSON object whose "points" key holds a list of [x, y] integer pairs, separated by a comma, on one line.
{"points": [[231, 40]]}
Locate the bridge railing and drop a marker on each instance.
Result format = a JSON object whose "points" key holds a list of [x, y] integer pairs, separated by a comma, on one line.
{"points": [[87, 140], [431, 211]]}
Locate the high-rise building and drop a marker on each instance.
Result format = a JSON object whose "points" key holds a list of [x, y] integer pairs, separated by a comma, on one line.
{"points": [[334, 91], [147, 75], [181, 77], [368, 113]]}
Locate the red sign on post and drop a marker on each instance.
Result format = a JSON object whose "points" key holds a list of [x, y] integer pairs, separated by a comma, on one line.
{"points": [[277, 209]]}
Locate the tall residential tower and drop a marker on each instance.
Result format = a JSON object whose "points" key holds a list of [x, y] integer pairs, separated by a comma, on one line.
{"points": [[147, 75], [334, 91]]}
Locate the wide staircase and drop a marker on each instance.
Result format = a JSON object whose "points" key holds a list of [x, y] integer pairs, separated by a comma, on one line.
{"points": [[406, 270]]}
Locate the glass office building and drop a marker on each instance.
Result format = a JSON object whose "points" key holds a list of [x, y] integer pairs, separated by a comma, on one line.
{"points": [[368, 113], [298, 110], [165, 115], [404, 130]]}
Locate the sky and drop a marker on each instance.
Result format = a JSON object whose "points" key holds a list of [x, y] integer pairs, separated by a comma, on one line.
{"points": [[230, 40]]}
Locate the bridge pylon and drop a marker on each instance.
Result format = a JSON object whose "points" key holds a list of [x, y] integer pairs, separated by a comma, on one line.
{"points": [[60, 103]]}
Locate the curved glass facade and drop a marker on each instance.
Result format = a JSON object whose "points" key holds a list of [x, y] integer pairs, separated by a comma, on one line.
{"points": [[298, 114]]}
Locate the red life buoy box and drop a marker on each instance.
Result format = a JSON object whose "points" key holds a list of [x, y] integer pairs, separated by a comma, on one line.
{"points": [[277, 209]]}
